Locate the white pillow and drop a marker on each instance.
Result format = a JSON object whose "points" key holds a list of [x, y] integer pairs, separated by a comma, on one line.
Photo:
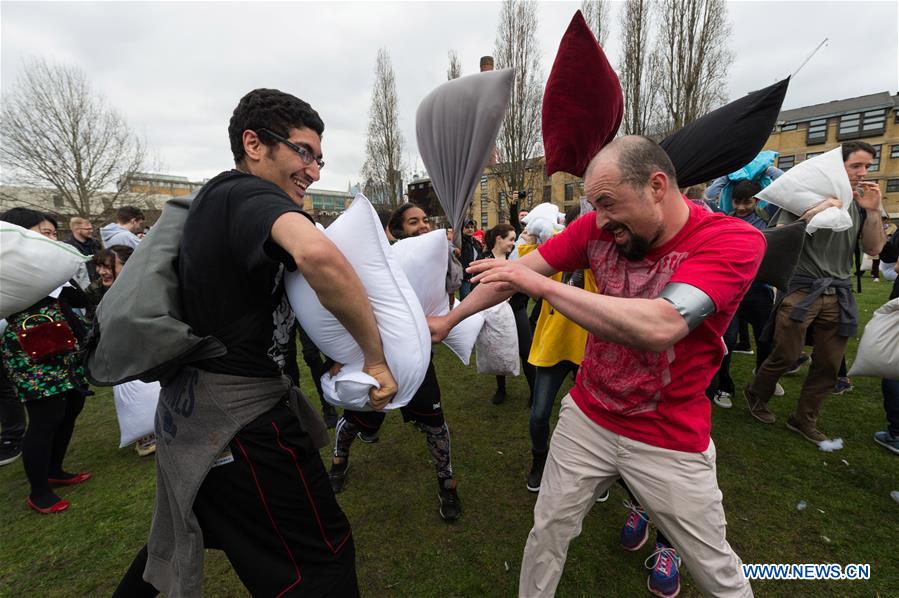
{"points": [[357, 233], [462, 336], [497, 343], [543, 229], [135, 406], [809, 183], [424, 260], [33, 266], [546, 211], [878, 349]]}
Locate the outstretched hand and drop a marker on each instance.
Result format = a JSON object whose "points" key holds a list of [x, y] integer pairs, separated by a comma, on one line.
{"points": [[379, 397], [508, 276]]}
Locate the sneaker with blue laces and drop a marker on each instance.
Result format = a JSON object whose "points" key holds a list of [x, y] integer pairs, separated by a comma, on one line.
{"points": [[843, 384], [636, 527], [664, 579]]}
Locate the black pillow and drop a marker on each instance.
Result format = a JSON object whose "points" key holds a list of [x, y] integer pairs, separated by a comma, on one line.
{"points": [[726, 139], [782, 254]]}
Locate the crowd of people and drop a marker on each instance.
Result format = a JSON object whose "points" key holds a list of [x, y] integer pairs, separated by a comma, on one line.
{"points": [[639, 298]]}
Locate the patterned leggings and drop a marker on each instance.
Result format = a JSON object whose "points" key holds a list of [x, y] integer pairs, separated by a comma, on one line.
{"points": [[436, 437]]}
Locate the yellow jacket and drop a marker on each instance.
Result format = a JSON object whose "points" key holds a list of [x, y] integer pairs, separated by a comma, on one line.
{"points": [[557, 338]]}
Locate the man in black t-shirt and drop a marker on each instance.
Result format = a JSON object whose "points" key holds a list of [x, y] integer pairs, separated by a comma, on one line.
{"points": [[266, 501]]}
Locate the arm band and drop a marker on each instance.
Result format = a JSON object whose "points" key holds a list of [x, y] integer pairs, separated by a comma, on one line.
{"points": [[691, 303]]}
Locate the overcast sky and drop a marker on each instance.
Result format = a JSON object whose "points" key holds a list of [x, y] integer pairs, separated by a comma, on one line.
{"points": [[176, 70]]}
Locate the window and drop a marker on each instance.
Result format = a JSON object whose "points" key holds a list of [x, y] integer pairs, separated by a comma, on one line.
{"points": [[502, 207], [874, 121], [548, 190], [875, 165], [789, 127], [811, 155], [893, 186], [483, 183], [483, 220], [865, 124], [817, 132], [894, 151], [569, 192], [57, 201], [786, 162]]}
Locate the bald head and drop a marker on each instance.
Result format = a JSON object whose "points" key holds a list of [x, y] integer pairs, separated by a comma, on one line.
{"points": [[637, 159]]}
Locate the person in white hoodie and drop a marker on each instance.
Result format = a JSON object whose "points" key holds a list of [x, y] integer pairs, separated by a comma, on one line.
{"points": [[129, 222]]}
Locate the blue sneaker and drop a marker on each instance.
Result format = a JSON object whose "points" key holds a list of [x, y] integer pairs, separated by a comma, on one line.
{"points": [[636, 527], [664, 579]]}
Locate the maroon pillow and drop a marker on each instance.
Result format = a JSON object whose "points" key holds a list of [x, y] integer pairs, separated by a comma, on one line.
{"points": [[582, 104]]}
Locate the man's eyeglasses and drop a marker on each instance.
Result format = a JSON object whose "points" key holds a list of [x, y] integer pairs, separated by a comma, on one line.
{"points": [[304, 153]]}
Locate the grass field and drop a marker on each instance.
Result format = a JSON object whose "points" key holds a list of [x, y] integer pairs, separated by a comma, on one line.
{"points": [[405, 549]]}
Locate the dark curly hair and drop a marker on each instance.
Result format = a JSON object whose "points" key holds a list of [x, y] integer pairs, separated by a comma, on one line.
{"points": [[395, 220], [270, 109], [745, 190]]}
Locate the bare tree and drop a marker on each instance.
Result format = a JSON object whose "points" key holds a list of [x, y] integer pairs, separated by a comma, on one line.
{"points": [[519, 136], [597, 13], [639, 69], [694, 58], [58, 131], [454, 70], [383, 167]]}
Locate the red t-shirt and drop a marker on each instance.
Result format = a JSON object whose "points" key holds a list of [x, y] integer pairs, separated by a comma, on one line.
{"points": [[659, 398]]}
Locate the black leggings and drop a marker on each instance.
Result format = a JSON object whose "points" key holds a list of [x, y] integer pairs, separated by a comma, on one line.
{"points": [[51, 422]]}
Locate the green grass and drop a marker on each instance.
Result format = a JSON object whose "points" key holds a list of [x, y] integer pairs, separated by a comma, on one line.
{"points": [[404, 549]]}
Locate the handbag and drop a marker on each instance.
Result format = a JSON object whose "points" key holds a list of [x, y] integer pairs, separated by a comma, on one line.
{"points": [[47, 339]]}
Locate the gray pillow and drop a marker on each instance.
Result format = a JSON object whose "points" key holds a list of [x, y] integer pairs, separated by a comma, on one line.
{"points": [[456, 127]]}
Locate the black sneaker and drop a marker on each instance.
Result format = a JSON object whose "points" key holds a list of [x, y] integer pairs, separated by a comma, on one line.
{"points": [[499, 397], [535, 476], [367, 438], [450, 503], [329, 414], [797, 365], [9, 454], [337, 475]]}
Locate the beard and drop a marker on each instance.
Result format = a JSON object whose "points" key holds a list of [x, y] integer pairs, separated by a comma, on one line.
{"points": [[636, 247]]}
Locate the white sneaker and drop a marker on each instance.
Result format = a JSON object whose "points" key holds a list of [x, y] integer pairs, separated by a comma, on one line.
{"points": [[778, 389], [723, 399]]}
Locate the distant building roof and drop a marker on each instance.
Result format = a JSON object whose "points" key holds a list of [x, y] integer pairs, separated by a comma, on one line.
{"points": [[158, 177], [328, 192], [838, 107]]}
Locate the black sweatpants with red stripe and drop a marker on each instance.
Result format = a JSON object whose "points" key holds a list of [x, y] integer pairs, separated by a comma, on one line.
{"points": [[273, 513]]}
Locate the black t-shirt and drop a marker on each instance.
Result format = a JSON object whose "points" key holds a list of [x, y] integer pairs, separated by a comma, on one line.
{"points": [[231, 273]]}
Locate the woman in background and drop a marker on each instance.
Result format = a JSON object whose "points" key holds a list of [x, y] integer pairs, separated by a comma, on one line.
{"points": [[500, 240], [52, 385]]}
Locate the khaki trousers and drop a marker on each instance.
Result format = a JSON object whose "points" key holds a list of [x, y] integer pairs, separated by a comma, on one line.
{"points": [[789, 338], [679, 491]]}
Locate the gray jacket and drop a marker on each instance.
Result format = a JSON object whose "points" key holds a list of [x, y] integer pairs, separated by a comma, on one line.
{"points": [[116, 234], [143, 309]]}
